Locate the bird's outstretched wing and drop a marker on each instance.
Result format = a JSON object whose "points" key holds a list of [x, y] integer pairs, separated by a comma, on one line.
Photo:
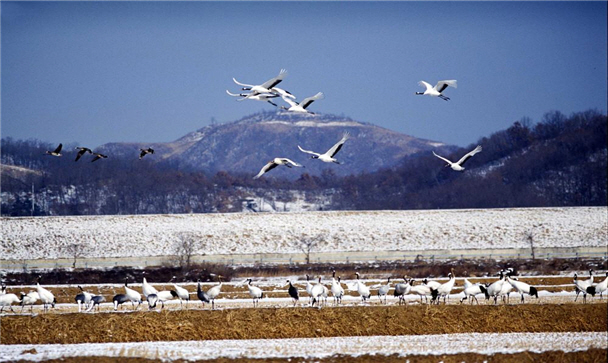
{"points": [[334, 149], [98, 156], [468, 155], [283, 93], [241, 84], [276, 80], [308, 151], [425, 84], [308, 100], [271, 165], [291, 162], [235, 94], [442, 158], [289, 101], [58, 149], [442, 85]]}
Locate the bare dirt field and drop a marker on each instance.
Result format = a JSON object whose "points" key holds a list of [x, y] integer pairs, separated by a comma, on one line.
{"points": [[267, 323]]}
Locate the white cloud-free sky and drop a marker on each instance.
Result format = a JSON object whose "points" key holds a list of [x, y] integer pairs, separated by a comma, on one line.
{"points": [[97, 72]]}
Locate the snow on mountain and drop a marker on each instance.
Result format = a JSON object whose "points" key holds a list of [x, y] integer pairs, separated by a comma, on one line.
{"points": [[247, 144], [247, 233]]}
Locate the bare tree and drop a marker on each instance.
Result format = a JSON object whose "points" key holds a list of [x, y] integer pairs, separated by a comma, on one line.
{"points": [[309, 243], [184, 249], [76, 251], [529, 236]]}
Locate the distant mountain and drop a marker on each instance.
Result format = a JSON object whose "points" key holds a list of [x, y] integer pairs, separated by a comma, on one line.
{"points": [[560, 161], [244, 146]]}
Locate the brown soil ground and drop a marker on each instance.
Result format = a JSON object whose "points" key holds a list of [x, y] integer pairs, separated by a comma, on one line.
{"points": [[269, 323], [589, 356]]}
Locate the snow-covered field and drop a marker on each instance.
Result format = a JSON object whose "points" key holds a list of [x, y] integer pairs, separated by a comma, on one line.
{"points": [[482, 343], [159, 235]]}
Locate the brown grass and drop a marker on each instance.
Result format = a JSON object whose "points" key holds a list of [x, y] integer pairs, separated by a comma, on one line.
{"points": [[589, 356], [299, 323]]}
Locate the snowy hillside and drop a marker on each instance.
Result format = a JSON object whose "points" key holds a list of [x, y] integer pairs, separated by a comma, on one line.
{"points": [[158, 235], [245, 145]]}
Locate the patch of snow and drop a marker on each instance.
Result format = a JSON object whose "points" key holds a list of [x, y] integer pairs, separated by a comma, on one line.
{"points": [[481, 343], [249, 233], [315, 124]]}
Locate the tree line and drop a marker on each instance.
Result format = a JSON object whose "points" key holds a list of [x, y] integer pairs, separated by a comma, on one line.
{"points": [[559, 161]]}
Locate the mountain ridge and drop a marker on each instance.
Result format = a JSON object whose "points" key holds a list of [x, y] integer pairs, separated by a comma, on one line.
{"points": [[245, 145]]}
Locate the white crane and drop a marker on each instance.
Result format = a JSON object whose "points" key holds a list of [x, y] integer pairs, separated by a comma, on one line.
{"points": [[132, 295], [317, 292], [283, 93], [213, 292], [7, 299], [496, 287], [263, 97], [336, 288], [582, 285], [422, 290], [601, 287], [445, 288], [147, 289], [362, 289], [431, 284], [505, 291], [45, 295], [182, 293], [522, 288], [152, 299], [384, 289], [276, 162], [29, 299], [255, 292], [165, 295], [438, 89], [264, 87], [302, 106], [472, 290], [309, 288], [328, 157], [457, 166]]}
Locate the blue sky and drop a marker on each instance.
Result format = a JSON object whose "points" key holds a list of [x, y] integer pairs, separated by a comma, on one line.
{"points": [[97, 72]]}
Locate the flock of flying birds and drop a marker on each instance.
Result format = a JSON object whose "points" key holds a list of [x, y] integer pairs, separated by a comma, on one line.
{"points": [[83, 150], [268, 91]]}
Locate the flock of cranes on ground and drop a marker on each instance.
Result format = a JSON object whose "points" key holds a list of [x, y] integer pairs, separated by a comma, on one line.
{"points": [[318, 293], [268, 91]]}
